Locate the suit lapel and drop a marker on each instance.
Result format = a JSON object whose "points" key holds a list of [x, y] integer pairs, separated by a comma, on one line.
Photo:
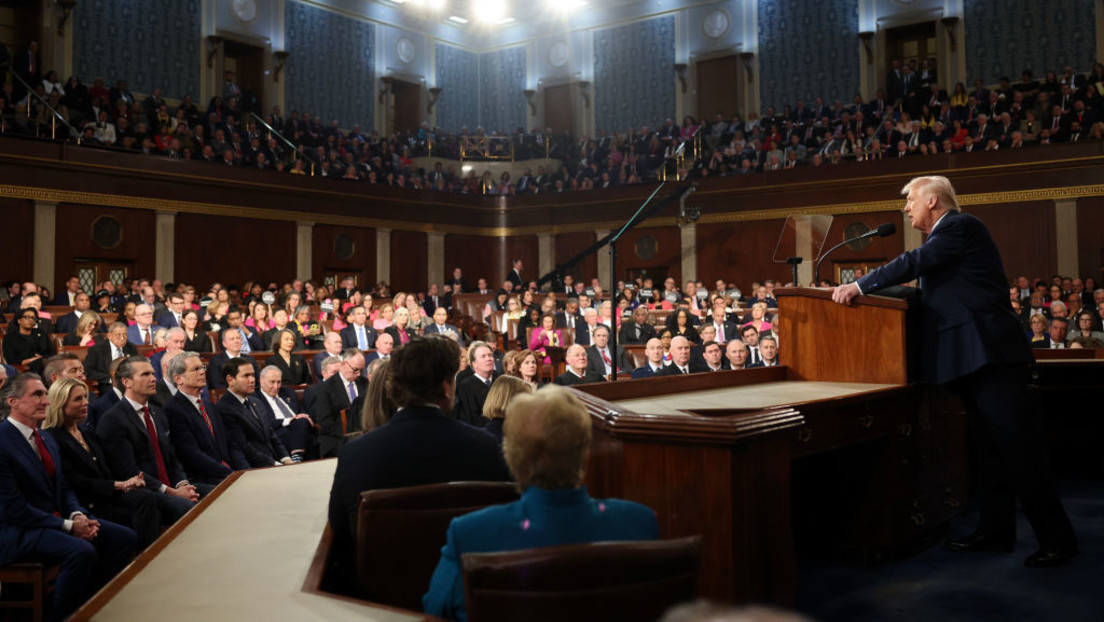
{"points": [[23, 449]]}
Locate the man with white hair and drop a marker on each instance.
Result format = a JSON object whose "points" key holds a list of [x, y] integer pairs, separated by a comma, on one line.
{"points": [[577, 370], [680, 358], [141, 333]]}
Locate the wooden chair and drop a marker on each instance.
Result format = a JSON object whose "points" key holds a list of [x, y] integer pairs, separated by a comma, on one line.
{"points": [[59, 341], [400, 532], [216, 341], [80, 351], [145, 350], [41, 579], [606, 581]]}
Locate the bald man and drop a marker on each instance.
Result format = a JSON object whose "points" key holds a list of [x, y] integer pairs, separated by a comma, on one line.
{"points": [[680, 358], [577, 371]]}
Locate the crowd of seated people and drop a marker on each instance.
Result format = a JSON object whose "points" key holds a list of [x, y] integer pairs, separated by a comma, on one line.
{"points": [[915, 115]]}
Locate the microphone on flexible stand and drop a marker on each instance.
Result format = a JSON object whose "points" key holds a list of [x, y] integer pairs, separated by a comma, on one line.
{"points": [[880, 231]]}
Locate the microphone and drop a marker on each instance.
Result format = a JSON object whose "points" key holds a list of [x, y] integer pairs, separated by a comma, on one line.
{"points": [[881, 231], [679, 151]]}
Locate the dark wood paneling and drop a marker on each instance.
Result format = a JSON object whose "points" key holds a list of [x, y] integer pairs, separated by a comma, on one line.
{"points": [[876, 253], [1090, 237], [324, 260], [523, 247], [570, 244], [718, 88], [478, 257], [17, 239], [408, 261], [740, 252], [233, 250], [74, 239], [666, 262], [1025, 234]]}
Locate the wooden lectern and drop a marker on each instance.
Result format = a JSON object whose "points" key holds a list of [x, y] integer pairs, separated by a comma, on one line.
{"points": [[715, 454]]}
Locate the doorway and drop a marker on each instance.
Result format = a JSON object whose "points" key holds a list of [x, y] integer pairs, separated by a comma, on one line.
{"points": [[408, 112], [911, 45], [559, 108], [718, 87], [247, 62]]}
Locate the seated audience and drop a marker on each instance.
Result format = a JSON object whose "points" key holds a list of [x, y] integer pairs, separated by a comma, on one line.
{"points": [[198, 432], [292, 365], [653, 352], [768, 350], [195, 338], [471, 392], [578, 369], [546, 444], [29, 345], [40, 516], [341, 392], [736, 353], [293, 426], [250, 430], [680, 358], [503, 391]]}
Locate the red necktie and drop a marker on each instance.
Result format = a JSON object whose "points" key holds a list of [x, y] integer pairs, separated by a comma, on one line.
{"points": [[605, 357], [146, 336], [47, 460], [162, 472], [207, 420]]}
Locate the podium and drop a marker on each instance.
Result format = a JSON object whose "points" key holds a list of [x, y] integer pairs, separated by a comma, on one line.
{"points": [[841, 432]]}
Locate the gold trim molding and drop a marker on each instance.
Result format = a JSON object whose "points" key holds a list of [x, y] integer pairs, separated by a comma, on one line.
{"points": [[214, 209]]}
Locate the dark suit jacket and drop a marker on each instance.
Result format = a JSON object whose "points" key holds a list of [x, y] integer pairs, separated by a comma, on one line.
{"points": [[134, 334], [128, 448], [332, 398], [516, 279], [251, 430], [99, 406], [673, 370], [968, 321], [98, 360], [167, 320], [28, 497], [349, 337], [596, 364], [206, 458], [285, 394], [62, 298], [471, 393], [296, 373], [67, 323], [631, 332], [569, 378], [215, 380], [86, 471], [317, 364], [642, 372], [418, 446]]}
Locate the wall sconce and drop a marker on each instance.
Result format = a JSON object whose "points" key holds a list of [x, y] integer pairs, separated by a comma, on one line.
{"points": [[951, 23], [434, 93], [529, 94], [866, 37], [584, 90], [215, 42], [746, 57], [386, 90], [680, 71], [281, 60], [66, 7]]}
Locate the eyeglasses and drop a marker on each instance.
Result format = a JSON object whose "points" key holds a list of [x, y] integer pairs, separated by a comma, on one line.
{"points": [[200, 368]]}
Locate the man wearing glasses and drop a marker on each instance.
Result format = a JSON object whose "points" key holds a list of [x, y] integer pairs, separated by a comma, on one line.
{"points": [[343, 391], [198, 434]]}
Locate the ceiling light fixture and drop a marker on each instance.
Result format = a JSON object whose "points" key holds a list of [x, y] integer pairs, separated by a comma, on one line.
{"points": [[489, 11], [457, 19]]}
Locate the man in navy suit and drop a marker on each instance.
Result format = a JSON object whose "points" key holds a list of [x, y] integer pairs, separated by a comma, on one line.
{"points": [[358, 334], [141, 333], [40, 517], [343, 391], [68, 296], [231, 348], [172, 317], [241, 412], [331, 346], [653, 351], [973, 342], [420, 445], [547, 441], [198, 433], [68, 323], [293, 426], [441, 325]]}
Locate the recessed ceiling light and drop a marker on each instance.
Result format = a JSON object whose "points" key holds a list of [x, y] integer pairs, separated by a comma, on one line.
{"points": [[457, 19], [506, 20]]}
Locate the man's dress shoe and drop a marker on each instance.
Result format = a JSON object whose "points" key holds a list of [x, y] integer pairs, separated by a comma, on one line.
{"points": [[979, 541], [1050, 558]]}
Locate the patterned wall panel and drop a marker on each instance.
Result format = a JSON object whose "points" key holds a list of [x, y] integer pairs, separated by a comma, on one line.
{"points": [[116, 39], [330, 72], [1004, 37], [501, 82], [807, 48], [634, 82], [458, 77]]}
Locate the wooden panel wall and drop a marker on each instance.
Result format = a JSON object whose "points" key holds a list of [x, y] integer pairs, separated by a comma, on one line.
{"points": [[666, 262], [478, 257], [1090, 237], [74, 239], [570, 244], [324, 259], [876, 253], [740, 252], [233, 250], [408, 261], [17, 240], [1025, 234]]}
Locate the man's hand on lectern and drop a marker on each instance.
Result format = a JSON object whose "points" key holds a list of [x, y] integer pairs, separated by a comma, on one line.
{"points": [[845, 293]]}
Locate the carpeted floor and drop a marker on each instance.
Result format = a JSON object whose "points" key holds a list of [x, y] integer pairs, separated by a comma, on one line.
{"points": [[941, 585]]}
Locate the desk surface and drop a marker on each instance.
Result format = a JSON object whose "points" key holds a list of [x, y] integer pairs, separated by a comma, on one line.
{"points": [[244, 557], [753, 396]]}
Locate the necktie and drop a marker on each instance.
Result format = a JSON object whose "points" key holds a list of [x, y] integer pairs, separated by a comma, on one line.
{"points": [[162, 472], [245, 349], [47, 460], [606, 358], [362, 341], [720, 333], [352, 393], [207, 420], [252, 410], [684, 370], [285, 410], [146, 336]]}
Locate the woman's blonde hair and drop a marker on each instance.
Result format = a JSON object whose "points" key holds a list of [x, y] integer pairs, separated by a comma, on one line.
{"points": [[503, 391], [60, 392], [546, 439]]}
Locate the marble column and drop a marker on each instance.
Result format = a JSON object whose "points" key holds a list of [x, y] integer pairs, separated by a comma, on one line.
{"points": [[164, 246], [546, 252], [304, 244], [435, 258], [603, 260], [1065, 227], [45, 246], [688, 239], [383, 255]]}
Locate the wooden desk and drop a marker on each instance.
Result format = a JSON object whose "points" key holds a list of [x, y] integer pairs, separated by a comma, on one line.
{"points": [[244, 554]]}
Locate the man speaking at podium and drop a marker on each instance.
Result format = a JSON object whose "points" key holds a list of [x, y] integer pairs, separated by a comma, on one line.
{"points": [[974, 343]]}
